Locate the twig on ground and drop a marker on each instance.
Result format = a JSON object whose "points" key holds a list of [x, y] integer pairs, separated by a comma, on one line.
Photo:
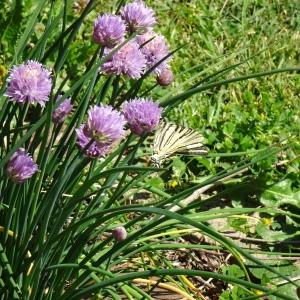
{"points": [[198, 193]]}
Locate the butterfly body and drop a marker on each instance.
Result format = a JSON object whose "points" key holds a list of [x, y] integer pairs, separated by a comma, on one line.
{"points": [[171, 139], [157, 159]]}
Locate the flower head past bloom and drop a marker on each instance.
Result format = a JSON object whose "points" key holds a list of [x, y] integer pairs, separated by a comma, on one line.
{"points": [[119, 233], [165, 77], [29, 82], [21, 166], [103, 129], [129, 61], [109, 30], [142, 115], [62, 111], [155, 48], [138, 16]]}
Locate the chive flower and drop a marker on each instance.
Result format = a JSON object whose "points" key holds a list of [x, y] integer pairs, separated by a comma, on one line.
{"points": [[102, 131], [119, 233], [62, 111], [128, 61], [21, 166], [138, 16], [142, 115], [109, 30], [29, 82], [156, 49]]}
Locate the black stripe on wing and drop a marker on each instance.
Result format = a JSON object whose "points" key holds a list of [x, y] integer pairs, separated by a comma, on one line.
{"points": [[189, 148], [174, 134], [167, 136], [160, 135], [193, 150]]}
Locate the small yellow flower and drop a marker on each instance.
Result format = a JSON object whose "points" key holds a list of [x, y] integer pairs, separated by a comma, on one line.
{"points": [[173, 184], [259, 293], [267, 221]]}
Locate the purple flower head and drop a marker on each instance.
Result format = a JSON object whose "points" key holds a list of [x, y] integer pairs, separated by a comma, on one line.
{"points": [[155, 48], [138, 16], [119, 233], [142, 115], [109, 30], [29, 82], [165, 77], [129, 61], [95, 149], [21, 166], [62, 111], [105, 126]]}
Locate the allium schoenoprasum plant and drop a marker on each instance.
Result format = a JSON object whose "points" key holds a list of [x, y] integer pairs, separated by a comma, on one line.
{"points": [[81, 213]]}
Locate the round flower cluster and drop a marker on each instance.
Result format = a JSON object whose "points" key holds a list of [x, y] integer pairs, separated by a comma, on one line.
{"points": [[21, 166], [138, 16], [129, 60], [119, 233], [148, 50], [109, 30], [165, 77], [29, 82], [142, 115], [155, 49], [62, 111], [104, 128]]}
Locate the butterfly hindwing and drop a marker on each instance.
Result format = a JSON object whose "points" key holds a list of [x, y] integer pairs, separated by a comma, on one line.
{"points": [[171, 139]]}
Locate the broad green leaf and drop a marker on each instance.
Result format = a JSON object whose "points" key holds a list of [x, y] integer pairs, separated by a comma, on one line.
{"points": [[178, 167], [233, 270], [285, 268], [272, 235], [156, 182], [279, 194]]}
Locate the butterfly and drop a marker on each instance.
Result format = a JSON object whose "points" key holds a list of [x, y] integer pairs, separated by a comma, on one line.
{"points": [[171, 139]]}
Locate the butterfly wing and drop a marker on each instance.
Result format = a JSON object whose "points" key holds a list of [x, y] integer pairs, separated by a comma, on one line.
{"points": [[171, 139], [164, 137]]}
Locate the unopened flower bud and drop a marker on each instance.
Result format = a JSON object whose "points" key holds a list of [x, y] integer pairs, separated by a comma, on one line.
{"points": [[119, 233], [165, 77]]}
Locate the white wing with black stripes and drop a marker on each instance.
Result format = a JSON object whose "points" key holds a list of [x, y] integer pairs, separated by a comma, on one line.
{"points": [[171, 139]]}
